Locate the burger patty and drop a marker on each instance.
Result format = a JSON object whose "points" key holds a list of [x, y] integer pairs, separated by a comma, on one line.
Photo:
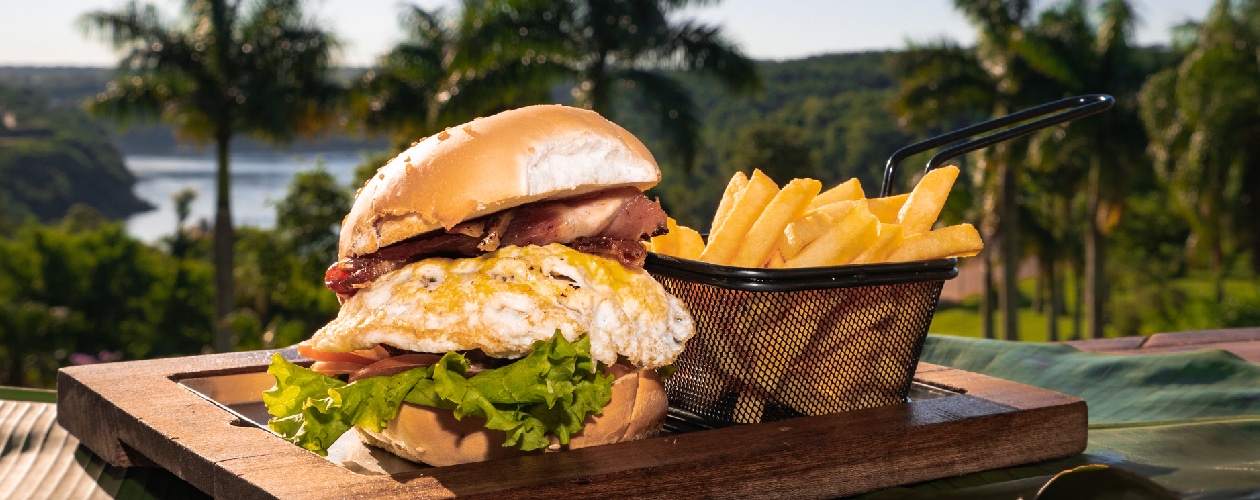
{"points": [[612, 223]]}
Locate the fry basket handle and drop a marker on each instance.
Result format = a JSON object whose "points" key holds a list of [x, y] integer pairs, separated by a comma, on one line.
{"points": [[1060, 111]]}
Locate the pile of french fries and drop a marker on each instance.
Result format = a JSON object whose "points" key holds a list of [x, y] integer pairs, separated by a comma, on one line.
{"points": [[759, 224]]}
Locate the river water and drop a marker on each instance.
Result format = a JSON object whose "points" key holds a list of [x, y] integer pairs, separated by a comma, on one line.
{"points": [[258, 182]]}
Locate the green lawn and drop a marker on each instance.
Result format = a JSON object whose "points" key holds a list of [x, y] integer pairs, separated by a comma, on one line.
{"points": [[1195, 308]]}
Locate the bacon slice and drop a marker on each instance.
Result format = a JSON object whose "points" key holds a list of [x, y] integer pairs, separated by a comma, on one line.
{"points": [[630, 253], [611, 223]]}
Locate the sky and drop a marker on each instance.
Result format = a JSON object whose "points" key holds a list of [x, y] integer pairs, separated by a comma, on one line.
{"points": [[44, 32]]}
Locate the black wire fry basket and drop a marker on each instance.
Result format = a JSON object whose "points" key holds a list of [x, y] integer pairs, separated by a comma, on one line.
{"points": [[772, 344]]}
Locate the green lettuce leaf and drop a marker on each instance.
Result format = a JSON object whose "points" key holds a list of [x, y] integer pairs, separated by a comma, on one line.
{"points": [[294, 385], [371, 403], [549, 392]]}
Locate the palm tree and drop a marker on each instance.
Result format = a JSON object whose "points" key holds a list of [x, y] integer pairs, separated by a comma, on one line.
{"points": [[995, 78], [937, 83], [388, 97], [599, 47], [1019, 63], [416, 89], [1095, 56], [220, 70], [1204, 124]]}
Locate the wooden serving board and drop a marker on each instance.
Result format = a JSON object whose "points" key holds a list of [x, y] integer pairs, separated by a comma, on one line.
{"points": [[143, 413]]}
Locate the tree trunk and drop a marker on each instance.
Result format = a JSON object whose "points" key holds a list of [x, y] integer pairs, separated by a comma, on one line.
{"points": [[1039, 288], [1095, 258], [17, 367], [1217, 265], [1008, 226], [986, 300], [1078, 301], [1250, 202], [1051, 304], [988, 228], [223, 259], [597, 95]]}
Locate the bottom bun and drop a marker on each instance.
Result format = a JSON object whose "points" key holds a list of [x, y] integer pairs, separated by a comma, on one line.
{"points": [[435, 437]]}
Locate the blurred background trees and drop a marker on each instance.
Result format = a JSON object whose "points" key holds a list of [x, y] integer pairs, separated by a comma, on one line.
{"points": [[1021, 59], [220, 70], [1138, 220], [498, 54], [1205, 136]]}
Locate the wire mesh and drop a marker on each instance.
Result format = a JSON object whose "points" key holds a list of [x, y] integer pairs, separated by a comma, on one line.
{"points": [[760, 356]]}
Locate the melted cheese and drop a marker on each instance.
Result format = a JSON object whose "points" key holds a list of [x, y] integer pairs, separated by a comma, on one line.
{"points": [[503, 301]]}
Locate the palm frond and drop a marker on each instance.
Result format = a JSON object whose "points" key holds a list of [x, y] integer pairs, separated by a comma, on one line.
{"points": [[492, 32], [939, 80], [498, 88], [674, 111], [702, 49]]}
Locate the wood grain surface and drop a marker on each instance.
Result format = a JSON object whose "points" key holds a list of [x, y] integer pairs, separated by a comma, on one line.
{"points": [[1243, 342], [137, 414]]}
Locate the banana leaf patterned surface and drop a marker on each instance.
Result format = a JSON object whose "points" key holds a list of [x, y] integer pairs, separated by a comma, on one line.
{"points": [[1163, 424]]}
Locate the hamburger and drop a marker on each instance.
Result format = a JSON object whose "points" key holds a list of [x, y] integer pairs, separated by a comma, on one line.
{"points": [[493, 298]]}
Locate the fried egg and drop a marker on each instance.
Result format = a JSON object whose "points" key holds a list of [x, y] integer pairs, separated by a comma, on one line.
{"points": [[503, 301]]}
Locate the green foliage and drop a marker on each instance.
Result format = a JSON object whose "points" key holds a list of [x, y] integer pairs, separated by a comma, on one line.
{"points": [[261, 69], [309, 216], [503, 54], [85, 291], [280, 272], [1188, 303], [1201, 116], [368, 167], [777, 150], [400, 95], [93, 290]]}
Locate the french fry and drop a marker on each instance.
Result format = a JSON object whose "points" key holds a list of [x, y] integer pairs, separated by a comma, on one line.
{"points": [[846, 191], [690, 243], [786, 206], [886, 209], [888, 241], [926, 200], [842, 242], [736, 184], [681, 241], [805, 230], [776, 259], [836, 210], [816, 221], [759, 225], [747, 206], [666, 244], [961, 240]]}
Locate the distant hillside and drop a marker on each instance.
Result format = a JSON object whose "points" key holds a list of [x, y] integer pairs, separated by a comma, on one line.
{"points": [[70, 86], [838, 101], [52, 158]]}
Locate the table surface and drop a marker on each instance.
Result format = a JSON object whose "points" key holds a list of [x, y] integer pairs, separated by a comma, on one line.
{"points": [[49, 461], [1242, 342]]}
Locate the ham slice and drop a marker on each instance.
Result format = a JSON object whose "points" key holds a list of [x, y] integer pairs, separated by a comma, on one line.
{"points": [[611, 223]]}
